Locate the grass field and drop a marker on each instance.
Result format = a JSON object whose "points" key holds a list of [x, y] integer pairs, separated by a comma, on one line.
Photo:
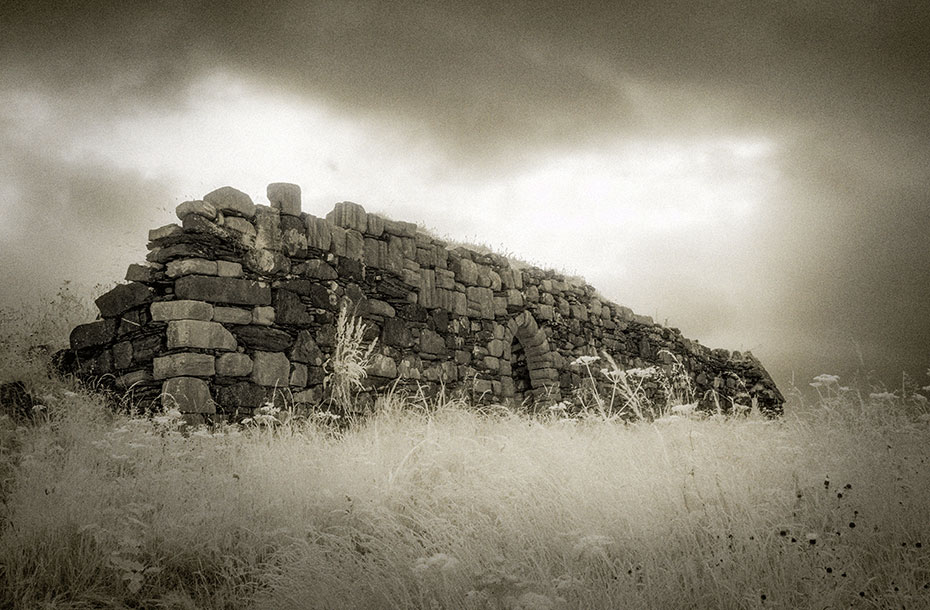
{"points": [[441, 506]]}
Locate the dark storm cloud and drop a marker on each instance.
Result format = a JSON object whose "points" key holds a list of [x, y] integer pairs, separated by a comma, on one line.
{"points": [[839, 87]]}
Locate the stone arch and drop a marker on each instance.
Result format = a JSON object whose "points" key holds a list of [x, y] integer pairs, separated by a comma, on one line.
{"points": [[539, 358]]}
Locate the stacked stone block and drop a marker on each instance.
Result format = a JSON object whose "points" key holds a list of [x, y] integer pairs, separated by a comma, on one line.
{"points": [[236, 307]]}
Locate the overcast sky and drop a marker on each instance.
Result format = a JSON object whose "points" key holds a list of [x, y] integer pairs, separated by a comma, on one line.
{"points": [[756, 174]]}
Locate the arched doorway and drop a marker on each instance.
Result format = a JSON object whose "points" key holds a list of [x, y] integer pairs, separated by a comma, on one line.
{"points": [[520, 372], [533, 376]]}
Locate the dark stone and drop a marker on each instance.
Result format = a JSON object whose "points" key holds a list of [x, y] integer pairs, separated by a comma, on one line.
{"points": [[321, 297], [146, 348], [394, 288], [263, 338], [349, 268], [222, 290], [94, 334], [131, 322], [290, 310], [315, 375], [438, 321], [123, 297], [243, 394], [306, 350], [169, 253], [396, 333], [301, 287], [195, 223], [412, 312]]}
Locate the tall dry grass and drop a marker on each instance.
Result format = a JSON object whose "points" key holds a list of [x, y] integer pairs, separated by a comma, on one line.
{"points": [[442, 506]]}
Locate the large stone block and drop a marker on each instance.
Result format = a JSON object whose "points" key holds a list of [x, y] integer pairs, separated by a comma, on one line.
{"points": [[189, 266], [123, 297], [271, 369], [290, 310], [480, 302], [466, 271], [382, 366], [306, 350], [228, 200], [165, 231], [293, 236], [201, 208], [319, 232], [355, 245], [187, 395], [396, 333], [243, 395], [284, 197], [432, 343], [317, 269], [223, 290], [200, 334], [140, 273], [184, 364], [349, 215], [232, 315], [94, 334], [234, 365]]}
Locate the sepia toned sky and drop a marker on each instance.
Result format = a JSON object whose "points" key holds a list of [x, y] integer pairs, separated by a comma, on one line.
{"points": [[755, 174]]}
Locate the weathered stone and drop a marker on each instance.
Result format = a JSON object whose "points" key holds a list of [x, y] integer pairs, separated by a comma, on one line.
{"points": [[271, 369], [122, 355], [284, 197], [377, 307], [187, 395], [298, 375], [293, 236], [188, 266], [263, 338], [233, 365], [290, 310], [232, 315], [349, 215], [223, 290], [231, 201], [318, 270], [400, 228], [127, 381], [94, 334], [263, 316], [183, 364], [165, 231], [395, 333], [240, 225], [432, 343], [466, 271], [123, 297], [374, 252], [201, 208], [382, 366], [375, 225], [228, 269], [145, 348], [199, 334], [355, 245], [338, 245], [140, 273], [319, 232], [242, 395], [306, 350], [480, 302]]}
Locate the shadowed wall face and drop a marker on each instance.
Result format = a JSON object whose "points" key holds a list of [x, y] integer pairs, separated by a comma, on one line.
{"points": [[239, 303]]}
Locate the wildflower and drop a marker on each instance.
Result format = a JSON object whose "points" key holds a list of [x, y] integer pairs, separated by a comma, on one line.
{"points": [[687, 409], [559, 406], [827, 379], [585, 360], [881, 396]]}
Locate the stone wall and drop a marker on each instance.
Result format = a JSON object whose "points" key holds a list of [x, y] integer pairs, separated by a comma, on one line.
{"points": [[237, 305]]}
